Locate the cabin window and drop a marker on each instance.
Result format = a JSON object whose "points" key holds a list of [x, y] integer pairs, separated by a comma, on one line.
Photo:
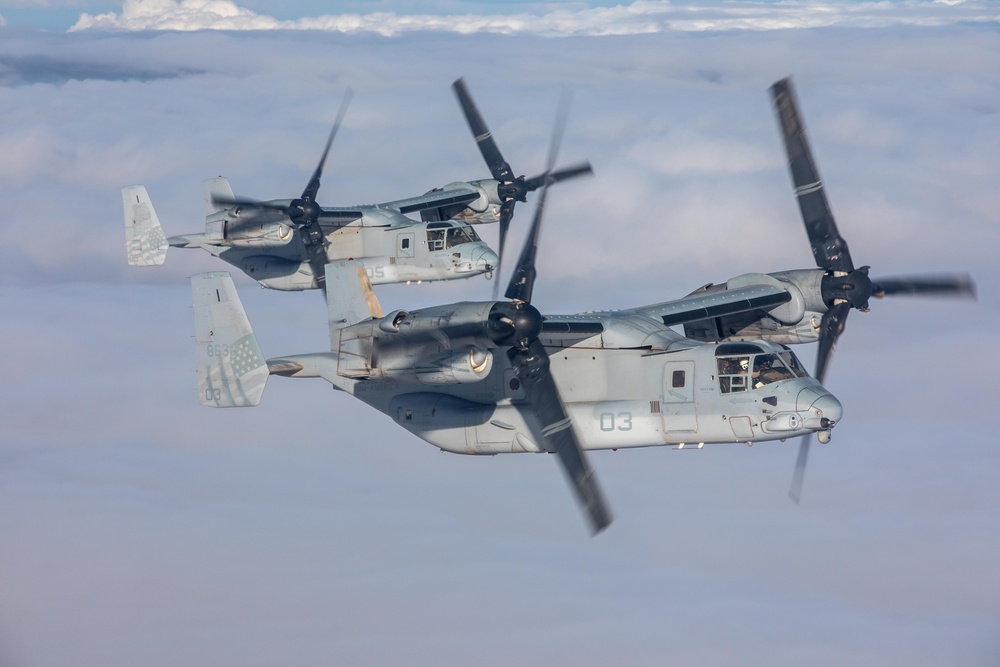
{"points": [[677, 380], [405, 243]]}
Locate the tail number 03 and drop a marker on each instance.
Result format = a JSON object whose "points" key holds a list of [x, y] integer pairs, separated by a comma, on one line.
{"points": [[610, 421]]}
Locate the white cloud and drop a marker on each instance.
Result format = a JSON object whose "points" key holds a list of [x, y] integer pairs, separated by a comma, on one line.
{"points": [[639, 17]]}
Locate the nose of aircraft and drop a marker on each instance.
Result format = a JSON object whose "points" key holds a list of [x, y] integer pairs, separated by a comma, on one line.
{"points": [[829, 407], [484, 258]]}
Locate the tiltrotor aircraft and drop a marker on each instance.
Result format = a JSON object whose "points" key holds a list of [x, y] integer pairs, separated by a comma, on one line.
{"points": [[817, 301], [497, 376], [284, 244]]}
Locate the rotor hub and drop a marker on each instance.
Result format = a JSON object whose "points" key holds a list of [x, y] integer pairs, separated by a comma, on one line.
{"points": [[514, 323], [513, 190], [303, 211], [854, 288]]}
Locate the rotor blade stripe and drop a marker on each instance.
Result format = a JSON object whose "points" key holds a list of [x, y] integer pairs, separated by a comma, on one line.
{"points": [[808, 188], [552, 429]]}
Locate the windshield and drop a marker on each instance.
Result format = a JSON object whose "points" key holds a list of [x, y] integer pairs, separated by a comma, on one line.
{"points": [[793, 363], [742, 373], [460, 235], [443, 236]]}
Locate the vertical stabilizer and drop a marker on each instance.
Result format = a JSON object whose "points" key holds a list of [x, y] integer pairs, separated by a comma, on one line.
{"points": [[144, 240], [349, 295], [231, 370], [217, 187]]}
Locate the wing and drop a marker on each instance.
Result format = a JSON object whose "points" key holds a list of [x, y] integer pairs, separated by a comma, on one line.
{"points": [[715, 304], [436, 199]]}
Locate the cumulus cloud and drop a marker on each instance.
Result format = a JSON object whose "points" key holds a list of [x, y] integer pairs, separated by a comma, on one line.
{"points": [[639, 17]]}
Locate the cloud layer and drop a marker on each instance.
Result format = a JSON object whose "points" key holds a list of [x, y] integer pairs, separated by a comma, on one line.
{"points": [[141, 529], [638, 17]]}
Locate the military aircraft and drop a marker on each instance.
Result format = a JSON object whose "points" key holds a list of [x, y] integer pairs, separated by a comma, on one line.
{"points": [[820, 299], [284, 244], [499, 377]]}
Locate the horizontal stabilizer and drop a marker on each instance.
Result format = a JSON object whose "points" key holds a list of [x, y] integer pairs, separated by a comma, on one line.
{"points": [[231, 369], [144, 240]]}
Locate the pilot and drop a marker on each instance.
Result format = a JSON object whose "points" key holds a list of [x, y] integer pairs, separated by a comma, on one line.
{"points": [[765, 373]]}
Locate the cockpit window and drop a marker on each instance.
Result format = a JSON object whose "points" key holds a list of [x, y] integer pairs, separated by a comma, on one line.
{"points": [[733, 373], [460, 235], [441, 236], [793, 363], [768, 368], [742, 373]]}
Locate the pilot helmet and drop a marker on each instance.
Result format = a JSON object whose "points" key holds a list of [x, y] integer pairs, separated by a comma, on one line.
{"points": [[744, 363]]}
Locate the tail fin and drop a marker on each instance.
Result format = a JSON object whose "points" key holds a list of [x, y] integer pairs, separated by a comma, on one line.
{"points": [[231, 370], [217, 187], [144, 240]]}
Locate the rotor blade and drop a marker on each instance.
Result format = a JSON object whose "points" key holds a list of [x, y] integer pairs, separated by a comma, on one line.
{"points": [[831, 327], [316, 256], [795, 492], [523, 281], [554, 430], [584, 168], [230, 202], [506, 213], [309, 193], [828, 246], [499, 168], [944, 285]]}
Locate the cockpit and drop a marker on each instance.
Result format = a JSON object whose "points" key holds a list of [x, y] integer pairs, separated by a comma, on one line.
{"points": [[745, 366], [448, 234]]}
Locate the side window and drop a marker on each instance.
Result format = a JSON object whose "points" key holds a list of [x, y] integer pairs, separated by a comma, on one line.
{"points": [[405, 243], [733, 373], [677, 380], [435, 239]]}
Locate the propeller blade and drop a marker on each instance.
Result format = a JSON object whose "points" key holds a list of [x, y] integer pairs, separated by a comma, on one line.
{"points": [[795, 492], [830, 329], [582, 169], [254, 204], [506, 213], [943, 285], [309, 194], [499, 168], [522, 282], [554, 430], [828, 246]]}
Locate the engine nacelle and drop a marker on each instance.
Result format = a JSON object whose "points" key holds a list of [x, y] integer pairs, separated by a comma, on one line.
{"points": [[281, 274], [227, 228], [484, 210], [463, 366], [793, 322]]}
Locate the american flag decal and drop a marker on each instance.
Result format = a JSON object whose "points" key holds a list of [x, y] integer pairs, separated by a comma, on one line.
{"points": [[245, 355]]}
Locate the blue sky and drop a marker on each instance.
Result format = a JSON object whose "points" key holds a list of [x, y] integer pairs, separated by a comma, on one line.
{"points": [[141, 528]]}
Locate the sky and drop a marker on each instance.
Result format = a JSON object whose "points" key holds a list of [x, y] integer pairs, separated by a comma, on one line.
{"points": [[137, 527]]}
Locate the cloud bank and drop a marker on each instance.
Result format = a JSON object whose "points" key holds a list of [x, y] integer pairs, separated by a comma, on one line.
{"points": [[639, 17]]}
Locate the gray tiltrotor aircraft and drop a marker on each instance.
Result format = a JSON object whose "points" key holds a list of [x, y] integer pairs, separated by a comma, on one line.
{"points": [[498, 376], [284, 244], [819, 299]]}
